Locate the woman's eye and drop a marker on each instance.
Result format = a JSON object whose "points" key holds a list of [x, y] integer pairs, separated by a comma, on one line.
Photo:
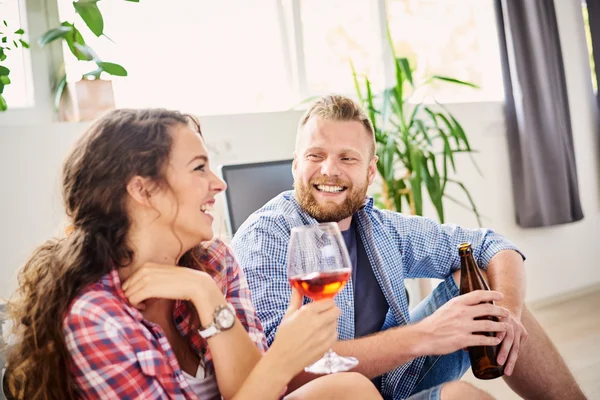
{"points": [[199, 168]]}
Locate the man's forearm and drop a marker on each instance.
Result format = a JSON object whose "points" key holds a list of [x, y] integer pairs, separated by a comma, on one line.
{"points": [[506, 274], [376, 354]]}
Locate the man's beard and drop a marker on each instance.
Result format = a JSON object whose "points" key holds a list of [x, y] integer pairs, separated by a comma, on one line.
{"points": [[329, 211]]}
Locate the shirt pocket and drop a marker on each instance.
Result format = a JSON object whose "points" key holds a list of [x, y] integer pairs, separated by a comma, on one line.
{"points": [[153, 363]]}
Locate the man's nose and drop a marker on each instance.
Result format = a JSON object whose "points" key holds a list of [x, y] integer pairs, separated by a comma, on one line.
{"points": [[329, 167]]}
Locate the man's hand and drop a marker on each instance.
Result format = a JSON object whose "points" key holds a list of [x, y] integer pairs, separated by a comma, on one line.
{"points": [[453, 326], [513, 339]]}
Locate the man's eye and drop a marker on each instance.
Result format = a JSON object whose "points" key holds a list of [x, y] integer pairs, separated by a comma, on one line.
{"points": [[312, 156]]}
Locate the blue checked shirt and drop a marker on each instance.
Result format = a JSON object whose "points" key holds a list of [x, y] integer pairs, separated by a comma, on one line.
{"points": [[398, 247]]}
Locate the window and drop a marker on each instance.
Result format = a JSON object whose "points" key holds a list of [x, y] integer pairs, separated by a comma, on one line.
{"points": [[238, 56], [456, 38], [19, 93], [335, 32], [207, 57]]}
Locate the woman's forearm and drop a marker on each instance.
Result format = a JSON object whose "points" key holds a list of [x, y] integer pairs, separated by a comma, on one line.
{"points": [[266, 381], [234, 354]]}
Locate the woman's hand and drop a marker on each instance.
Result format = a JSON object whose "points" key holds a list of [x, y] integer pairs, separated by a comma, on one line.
{"points": [[172, 282], [305, 333]]}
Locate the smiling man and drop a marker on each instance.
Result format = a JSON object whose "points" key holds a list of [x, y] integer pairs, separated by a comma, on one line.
{"points": [[417, 354]]}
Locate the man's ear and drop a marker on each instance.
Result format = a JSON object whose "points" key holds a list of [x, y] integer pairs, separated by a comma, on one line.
{"points": [[294, 165], [372, 169], [138, 189]]}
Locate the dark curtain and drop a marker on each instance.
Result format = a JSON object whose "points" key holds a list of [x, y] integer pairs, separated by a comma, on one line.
{"points": [[540, 141]]}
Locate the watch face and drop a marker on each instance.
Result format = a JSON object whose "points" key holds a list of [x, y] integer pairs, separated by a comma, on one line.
{"points": [[225, 318]]}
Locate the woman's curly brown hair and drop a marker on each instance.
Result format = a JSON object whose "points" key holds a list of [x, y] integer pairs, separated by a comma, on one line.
{"points": [[119, 146]]}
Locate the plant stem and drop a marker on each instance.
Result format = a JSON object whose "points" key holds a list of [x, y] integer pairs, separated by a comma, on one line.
{"points": [[386, 197]]}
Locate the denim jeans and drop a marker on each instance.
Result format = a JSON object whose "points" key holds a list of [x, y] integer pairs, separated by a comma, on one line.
{"points": [[438, 370]]}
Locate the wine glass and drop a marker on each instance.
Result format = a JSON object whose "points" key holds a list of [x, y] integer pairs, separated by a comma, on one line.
{"points": [[319, 267]]}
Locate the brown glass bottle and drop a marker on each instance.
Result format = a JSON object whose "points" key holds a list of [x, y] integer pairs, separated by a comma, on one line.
{"points": [[483, 358]]}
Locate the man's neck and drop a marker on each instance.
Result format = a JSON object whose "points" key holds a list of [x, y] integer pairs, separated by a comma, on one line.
{"points": [[345, 223]]}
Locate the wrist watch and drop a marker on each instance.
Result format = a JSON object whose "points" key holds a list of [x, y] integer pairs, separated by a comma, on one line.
{"points": [[223, 319]]}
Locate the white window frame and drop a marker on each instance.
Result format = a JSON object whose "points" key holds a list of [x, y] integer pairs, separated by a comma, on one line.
{"points": [[289, 12], [45, 64]]}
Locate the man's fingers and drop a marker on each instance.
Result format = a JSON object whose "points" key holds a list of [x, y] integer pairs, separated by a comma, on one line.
{"points": [[321, 305], [480, 296], [512, 357], [295, 302], [487, 310], [507, 344], [501, 335], [485, 325], [481, 340]]}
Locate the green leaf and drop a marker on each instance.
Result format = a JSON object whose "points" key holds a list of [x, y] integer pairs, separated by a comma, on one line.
{"points": [[19, 32], [451, 129], [460, 132], [416, 179], [4, 39], [75, 37], [1, 88], [370, 103], [4, 79], [60, 88], [133, 1], [112, 68], [404, 64], [24, 43], [356, 84], [86, 51], [453, 80], [4, 70], [413, 115], [54, 34], [4, 22], [90, 13], [3, 105], [2, 55], [432, 183]]}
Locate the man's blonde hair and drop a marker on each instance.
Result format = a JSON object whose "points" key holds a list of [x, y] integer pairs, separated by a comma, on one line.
{"points": [[338, 108]]}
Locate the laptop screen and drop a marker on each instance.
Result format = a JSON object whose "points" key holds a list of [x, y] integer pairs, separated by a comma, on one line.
{"points": [[250, 186]]}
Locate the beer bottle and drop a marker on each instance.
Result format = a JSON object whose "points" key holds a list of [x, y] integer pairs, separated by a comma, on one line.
{"points": [[483, 358]]}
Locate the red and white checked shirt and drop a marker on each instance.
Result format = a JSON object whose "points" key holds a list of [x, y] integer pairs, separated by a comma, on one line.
{"points": [[117, 354]]}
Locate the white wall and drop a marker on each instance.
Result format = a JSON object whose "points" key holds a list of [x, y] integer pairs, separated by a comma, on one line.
{"points": [[560, 259]]}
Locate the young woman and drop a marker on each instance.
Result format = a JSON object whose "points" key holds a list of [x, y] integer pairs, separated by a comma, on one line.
{"points": [[135, 303]]}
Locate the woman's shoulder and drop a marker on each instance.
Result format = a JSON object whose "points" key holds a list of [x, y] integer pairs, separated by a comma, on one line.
{"points": [[217, 256]]}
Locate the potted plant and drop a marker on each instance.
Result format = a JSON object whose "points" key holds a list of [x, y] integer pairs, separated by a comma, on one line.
{"points": [[9, 40], [90, 95], [416, 143]]}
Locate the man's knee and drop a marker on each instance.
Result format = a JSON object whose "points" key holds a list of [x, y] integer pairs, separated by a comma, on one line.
{"points": [[462, 390]]}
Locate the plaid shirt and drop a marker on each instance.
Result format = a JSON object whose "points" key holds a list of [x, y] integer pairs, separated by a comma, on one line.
{"points": [[117, 354], [398, 247]]}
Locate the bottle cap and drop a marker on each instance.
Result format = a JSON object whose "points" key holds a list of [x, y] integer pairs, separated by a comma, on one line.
{"points": [[464, 249]]}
